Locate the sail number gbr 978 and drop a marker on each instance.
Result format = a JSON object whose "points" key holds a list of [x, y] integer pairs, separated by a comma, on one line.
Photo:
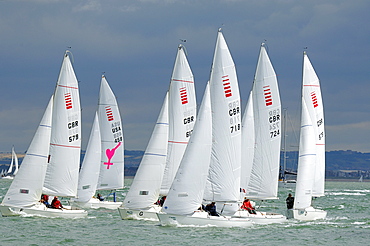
{"points": [[234, 114], [274, 122]]}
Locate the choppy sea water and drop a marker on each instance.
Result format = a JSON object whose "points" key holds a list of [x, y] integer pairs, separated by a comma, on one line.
{"points": [[347, 223]]}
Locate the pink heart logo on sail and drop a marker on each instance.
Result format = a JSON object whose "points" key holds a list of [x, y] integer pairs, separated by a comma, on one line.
{"points": [[110, 153]]}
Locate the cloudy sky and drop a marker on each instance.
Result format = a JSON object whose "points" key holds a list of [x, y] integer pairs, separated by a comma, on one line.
{"points": [[135, 42]]}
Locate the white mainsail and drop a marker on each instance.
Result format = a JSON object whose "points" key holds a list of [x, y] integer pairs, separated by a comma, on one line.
{"points": [[224, 170], [26, 188], [144, 190], [186, 193], [65, 142], [306, 160], [182, 116], [89, 173], [311, 93], [112, 145], [267, 124]]}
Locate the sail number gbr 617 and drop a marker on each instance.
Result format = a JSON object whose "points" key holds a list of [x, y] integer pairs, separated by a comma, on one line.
{"points": [[274, 123]]}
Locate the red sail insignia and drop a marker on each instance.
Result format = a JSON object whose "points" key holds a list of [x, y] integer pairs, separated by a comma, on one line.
{"points": [[183, 95], [109, 113], [268, 95], [314, 99], [227, 87], [68, 100]]}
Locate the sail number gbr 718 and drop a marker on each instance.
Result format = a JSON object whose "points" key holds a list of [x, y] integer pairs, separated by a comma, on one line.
{"points": [[234, 114]]}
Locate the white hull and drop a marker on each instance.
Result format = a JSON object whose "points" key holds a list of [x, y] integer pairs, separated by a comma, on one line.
{"points": [[307, 214], [8, 177], [95, 204], [140, 214], [41, 210], [261, 217], [200, 218]]}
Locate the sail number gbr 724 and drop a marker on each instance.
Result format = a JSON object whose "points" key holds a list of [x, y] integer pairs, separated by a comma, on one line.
{"points": [[274, 122]]}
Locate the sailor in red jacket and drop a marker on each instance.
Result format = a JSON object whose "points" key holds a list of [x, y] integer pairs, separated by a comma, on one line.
{"points": [[56, 203], [248, 206]]}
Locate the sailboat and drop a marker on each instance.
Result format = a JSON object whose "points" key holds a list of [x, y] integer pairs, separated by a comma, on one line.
{"points": [[261, 131], [311, 160], [182, 111], [52, 160], [214, 147], [14, 162], [140, 201], [103, 170], [180, 116]]}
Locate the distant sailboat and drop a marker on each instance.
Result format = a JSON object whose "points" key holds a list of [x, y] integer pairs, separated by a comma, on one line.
{"points": [[311, 162], [14, 162], [261, 131], [361, 178]]}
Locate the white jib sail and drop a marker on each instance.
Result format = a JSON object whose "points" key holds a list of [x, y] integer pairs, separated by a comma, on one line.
{"points": [[267, 121], [10, 169], [89, 173], [144, 190], [186, 193], [224, 170], [112, 142], [182, 116], [16, 168], [248, 141], [306, 160], [26, 188], [65, 142], [312, 96]]}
